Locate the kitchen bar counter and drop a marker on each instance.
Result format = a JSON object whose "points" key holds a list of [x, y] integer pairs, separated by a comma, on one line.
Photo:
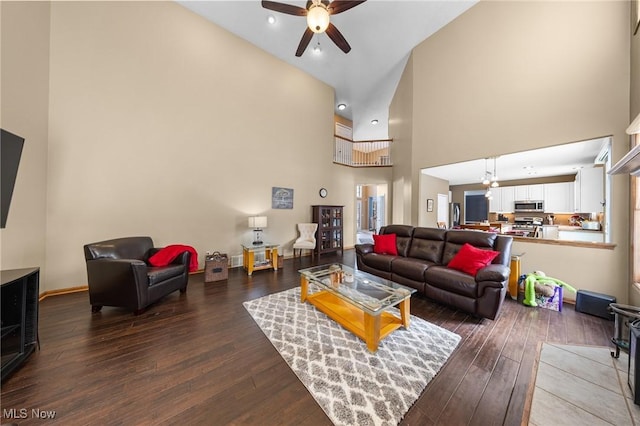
{"points": [[576, 233], [572, 243], [566, 234], [570, 228]]}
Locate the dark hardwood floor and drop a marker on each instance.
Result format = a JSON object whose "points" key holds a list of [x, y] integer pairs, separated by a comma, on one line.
{"points": [[199, 358]]}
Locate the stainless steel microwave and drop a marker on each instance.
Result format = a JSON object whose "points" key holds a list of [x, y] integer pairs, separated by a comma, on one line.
{"points": [[528, 206]]}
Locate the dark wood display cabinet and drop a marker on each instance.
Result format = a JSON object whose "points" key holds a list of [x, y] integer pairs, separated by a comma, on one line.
{"points": [[330, 232], [19, 294]]}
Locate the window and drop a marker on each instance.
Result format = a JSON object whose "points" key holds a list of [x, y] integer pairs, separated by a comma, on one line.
{"points": [[630, 163], [475, 209]]}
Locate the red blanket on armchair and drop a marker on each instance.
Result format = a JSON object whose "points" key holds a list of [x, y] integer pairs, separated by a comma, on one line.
{"points": [[165, 256]]}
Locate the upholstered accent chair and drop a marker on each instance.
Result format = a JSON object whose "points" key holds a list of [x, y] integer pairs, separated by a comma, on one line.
{"points": [[307, 238], [119, 274]]}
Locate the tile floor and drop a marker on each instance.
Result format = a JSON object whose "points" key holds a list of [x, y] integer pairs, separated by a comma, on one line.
{"points": [[582, 385]]}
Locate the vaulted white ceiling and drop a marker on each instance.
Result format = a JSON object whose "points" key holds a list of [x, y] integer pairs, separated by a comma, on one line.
{"points": [[381, 33]]}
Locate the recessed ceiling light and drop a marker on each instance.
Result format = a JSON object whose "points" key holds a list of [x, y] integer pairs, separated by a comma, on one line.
{"points": [[271, 19], [342, 106], [317, 49], [374, 122]]}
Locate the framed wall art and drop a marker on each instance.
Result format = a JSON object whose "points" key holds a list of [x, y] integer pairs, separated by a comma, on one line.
{"points": [[281, 198]]}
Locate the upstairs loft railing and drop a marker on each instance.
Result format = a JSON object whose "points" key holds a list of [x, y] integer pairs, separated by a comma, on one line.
{"points": [[374, 153]]}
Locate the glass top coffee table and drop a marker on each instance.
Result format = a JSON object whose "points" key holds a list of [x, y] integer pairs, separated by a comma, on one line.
{"points": [[358, 301]]}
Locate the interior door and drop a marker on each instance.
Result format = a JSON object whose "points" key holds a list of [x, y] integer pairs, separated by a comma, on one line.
{"points": [[443, 208]]}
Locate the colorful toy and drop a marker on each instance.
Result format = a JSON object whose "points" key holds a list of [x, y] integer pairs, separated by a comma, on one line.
{"points": [[537, 281]]}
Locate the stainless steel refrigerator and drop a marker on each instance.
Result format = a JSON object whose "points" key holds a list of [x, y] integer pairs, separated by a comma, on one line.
{"points": [[454, 215]]}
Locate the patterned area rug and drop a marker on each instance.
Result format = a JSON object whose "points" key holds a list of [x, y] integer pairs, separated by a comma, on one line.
{"points": [[353, 386]]}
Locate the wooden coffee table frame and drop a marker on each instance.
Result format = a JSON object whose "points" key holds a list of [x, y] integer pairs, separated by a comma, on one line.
{"points": [[370, 328]]}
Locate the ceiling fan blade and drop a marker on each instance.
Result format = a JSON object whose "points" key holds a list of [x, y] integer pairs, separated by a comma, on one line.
{"points": [[337, 38], [289, 9], [338, 6], [304, 42]]}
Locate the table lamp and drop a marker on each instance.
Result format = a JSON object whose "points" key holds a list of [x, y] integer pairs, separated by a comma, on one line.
{"points": [[257, 223]]}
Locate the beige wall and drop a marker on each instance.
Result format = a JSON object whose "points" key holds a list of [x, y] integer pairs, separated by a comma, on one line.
{"points": [[635, 70], [511, 76], [163, 124], [401, 127], [430, 188], [24, 101]]}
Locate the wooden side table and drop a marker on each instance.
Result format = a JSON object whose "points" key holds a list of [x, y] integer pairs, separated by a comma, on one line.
{"points": [[249, 261]]}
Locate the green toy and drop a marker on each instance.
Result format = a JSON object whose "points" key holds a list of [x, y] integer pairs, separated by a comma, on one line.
{"points": [[540, 278]]}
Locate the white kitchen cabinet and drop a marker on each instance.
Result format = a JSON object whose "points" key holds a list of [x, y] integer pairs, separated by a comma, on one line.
{"points": [[495, 203], [529, 192], [536, 192], [589, 190], [502, 201], [522, 192], [559, 197], [508, 194]]}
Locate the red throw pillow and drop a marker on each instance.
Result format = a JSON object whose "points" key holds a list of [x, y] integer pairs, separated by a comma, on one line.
{"points": [[385, 244], [470, 259]]}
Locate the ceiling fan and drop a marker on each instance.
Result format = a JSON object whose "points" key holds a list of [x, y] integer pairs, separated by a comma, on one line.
{"points": [[318, 21]]}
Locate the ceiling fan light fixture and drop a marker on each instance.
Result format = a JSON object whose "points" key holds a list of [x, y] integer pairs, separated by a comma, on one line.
{"points": [[318, 18]]}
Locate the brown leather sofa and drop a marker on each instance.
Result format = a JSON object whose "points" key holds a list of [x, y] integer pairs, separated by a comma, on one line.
{"points": [[423, 255], [119, 274]]}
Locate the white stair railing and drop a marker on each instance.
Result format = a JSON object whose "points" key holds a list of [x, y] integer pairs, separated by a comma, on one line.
{"points": [[373, 153]]}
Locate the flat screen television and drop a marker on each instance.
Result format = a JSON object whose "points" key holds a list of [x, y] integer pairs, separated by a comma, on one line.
{"points": [[10, 153]]}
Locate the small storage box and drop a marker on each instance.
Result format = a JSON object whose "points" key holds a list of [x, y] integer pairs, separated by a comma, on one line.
{"points": [[592, 303], [216, 267], [554, 302]]}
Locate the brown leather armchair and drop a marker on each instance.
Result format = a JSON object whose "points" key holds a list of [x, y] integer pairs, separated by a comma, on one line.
{"points": [[119, 274]]}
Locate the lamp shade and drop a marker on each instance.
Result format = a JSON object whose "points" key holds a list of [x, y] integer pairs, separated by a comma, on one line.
{"points": [[318, 18], [257, 222]]}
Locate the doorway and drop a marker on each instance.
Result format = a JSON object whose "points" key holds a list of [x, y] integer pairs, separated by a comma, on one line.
{"points": [[371, 210], [443, 209]]}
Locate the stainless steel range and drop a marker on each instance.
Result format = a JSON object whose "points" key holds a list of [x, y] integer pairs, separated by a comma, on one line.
{"points": [[526, 223]]}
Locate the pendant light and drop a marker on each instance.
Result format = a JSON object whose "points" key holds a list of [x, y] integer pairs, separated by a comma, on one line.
{"points": [[494, 177], [486, 180]]}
